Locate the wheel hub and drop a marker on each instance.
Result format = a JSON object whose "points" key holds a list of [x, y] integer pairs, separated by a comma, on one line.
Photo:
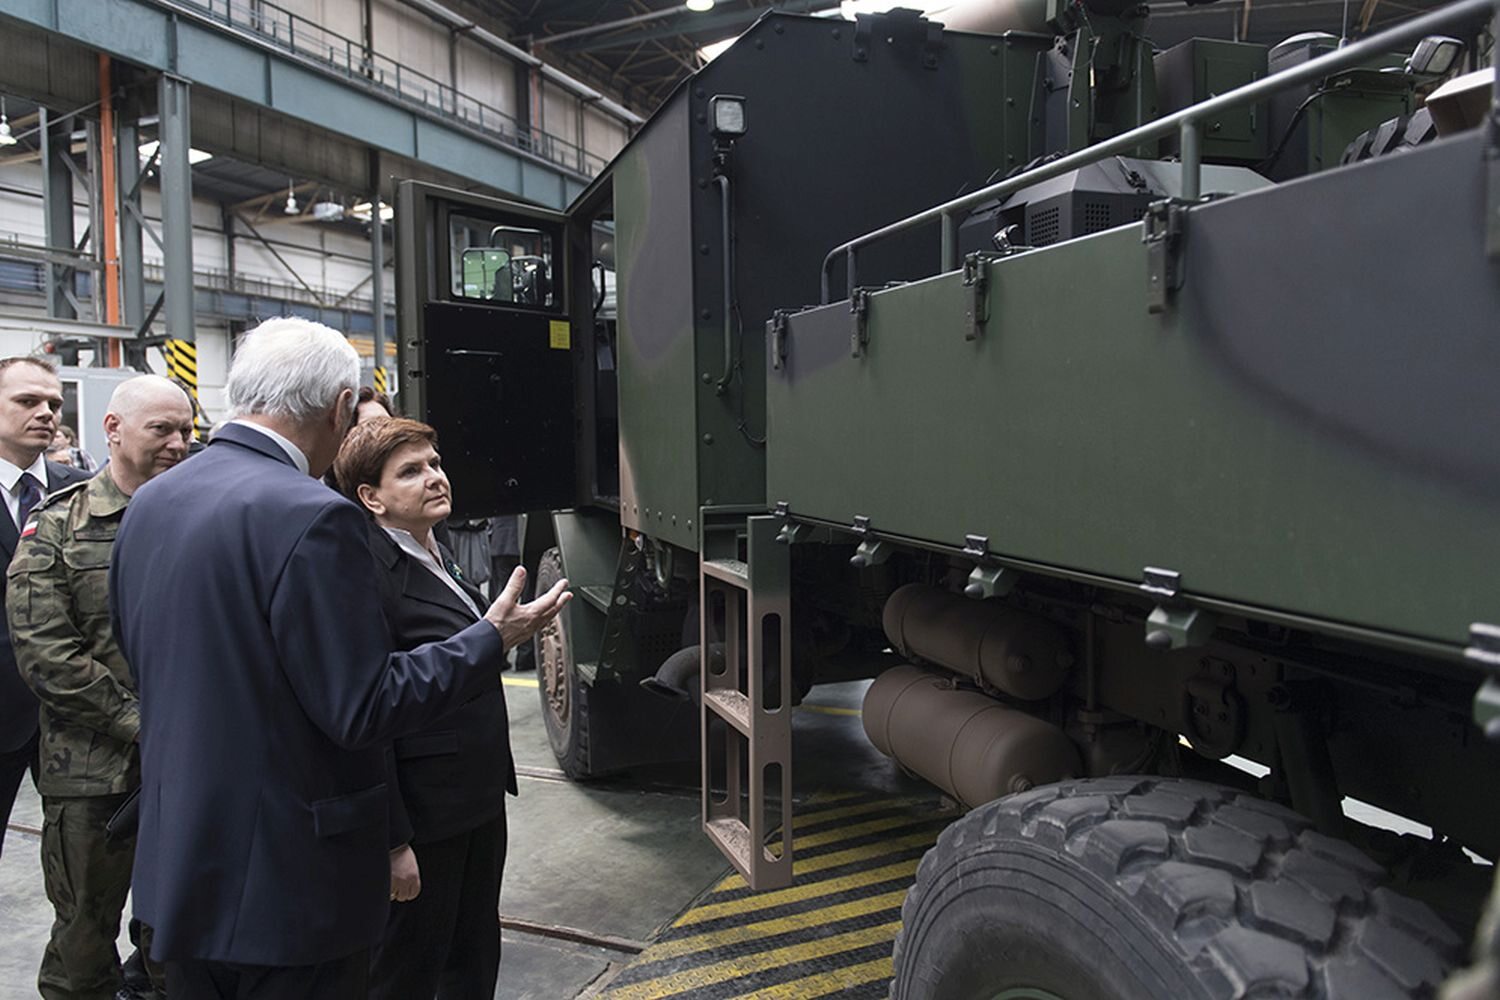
{"points": [[551, 644]]}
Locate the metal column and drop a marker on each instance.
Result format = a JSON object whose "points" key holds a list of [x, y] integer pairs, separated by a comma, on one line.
{"points": [[173, 96], [176, 206], [57, 204], [377, 287], [132, 262]]}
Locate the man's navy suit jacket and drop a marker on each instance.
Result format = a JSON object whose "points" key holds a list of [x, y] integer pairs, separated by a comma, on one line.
{"points": [[242, 596], [19, 709]]}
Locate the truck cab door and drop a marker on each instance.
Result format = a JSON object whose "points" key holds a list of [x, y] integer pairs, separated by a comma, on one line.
{"points": [[485, 321]]}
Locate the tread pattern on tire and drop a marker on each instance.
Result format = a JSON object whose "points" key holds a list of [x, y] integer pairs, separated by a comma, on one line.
{"points": [[575, 764], [1257, 902]]}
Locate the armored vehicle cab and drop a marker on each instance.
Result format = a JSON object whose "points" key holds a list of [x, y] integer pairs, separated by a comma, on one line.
{"points": [[1080, 401]]}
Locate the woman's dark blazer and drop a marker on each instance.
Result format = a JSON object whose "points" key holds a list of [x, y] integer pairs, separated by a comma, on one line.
{"points": [[452, 775]]}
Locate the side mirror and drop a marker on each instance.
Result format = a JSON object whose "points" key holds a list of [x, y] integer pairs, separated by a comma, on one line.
{"points": [[1434, 55], [487, 274]]}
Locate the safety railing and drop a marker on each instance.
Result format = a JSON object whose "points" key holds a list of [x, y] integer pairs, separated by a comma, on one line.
{"points": [[1187, 123], [295, 34]]}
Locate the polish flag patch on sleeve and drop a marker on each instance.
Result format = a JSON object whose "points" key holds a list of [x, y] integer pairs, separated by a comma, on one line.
{"points": [[30, 528]]}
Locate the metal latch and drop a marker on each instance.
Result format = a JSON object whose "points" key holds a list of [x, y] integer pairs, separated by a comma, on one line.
{"points": [[777, 328], [1161, 582], [977, 282], [1484, 646], [1162, 231], [1173, 623], [871, 552], [1484, 650], [859, 334]]}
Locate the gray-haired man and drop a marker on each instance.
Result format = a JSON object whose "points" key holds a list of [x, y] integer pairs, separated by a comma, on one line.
{"points": [[262, 858]]}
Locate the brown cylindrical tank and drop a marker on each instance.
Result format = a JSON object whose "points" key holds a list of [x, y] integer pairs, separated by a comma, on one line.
{"points": [[966, 743], [1024, 655]]}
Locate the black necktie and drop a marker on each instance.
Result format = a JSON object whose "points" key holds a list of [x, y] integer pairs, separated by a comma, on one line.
{"points": [[27, 497]]}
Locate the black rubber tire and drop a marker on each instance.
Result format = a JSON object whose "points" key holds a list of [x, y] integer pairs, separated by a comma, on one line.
{"points": [[1149, 888], [565, 698], [1393, 136]]}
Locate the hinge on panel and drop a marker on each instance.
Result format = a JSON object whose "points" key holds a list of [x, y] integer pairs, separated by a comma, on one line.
{"points": [[1162, 230], [777, 328], [859, 334], [861, 51], [932, 45], [977, 283]]}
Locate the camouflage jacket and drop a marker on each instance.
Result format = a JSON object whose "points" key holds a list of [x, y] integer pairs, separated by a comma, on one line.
{"points": [[58, 608]]}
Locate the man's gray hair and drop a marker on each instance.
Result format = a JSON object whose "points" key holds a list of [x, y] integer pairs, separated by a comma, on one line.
{"points": [[292, 368]]}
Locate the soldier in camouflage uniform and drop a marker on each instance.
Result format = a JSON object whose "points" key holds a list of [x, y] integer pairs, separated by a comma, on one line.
{"points": [[58, 609]]}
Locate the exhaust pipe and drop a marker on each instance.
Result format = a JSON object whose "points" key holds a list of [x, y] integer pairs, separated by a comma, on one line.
{"points": [[1021, 654], [964, 742], [677, 678]]}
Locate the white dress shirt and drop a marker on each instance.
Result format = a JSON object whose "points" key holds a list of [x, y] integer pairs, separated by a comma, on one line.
{"points": [[283, 442], [10, 480], [429, 559]]}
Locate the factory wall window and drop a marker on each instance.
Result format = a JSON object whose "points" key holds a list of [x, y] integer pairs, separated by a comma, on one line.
{"points": [[500, 263]]}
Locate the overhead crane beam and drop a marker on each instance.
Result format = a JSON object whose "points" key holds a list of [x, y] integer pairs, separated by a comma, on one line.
{"points": [[181, 40]]}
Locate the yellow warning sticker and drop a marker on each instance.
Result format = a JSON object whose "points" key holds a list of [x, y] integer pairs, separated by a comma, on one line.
{"points": [[561, 335]]}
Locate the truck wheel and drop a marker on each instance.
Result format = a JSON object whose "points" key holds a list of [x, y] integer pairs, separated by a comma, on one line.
{"points": [[1145, 888], [565, 707]]}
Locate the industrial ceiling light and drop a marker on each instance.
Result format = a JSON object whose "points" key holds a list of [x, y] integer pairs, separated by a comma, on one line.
{"points": [[291, 200], [327, 211], [364, 211], [195, 156], [6, 139], [700, 5]]}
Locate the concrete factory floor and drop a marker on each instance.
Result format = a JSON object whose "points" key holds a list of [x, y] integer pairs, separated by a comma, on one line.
{"points": [[595, 873]]}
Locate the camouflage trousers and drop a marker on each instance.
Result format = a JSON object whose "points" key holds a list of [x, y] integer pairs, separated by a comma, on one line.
{"points": [[87, 878]]}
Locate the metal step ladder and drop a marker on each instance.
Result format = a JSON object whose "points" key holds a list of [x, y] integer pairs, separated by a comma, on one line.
{"points": [[747, 694]]}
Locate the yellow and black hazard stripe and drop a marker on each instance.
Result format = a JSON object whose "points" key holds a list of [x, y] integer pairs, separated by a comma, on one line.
{"points": [[829, 934], [379, 378], [182, 368]]}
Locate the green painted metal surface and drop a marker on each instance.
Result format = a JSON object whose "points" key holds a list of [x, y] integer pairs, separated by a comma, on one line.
{"points": [[657, 359], [1083, 432]]}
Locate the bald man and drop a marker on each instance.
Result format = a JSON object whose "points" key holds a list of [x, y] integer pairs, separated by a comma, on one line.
{"points": [[58, 609]]}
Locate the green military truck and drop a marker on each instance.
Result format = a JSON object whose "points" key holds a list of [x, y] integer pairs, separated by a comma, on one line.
{"points": [[1080, 396]]}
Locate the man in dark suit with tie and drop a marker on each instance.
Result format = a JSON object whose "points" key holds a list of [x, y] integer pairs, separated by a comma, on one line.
{"points": [[31, 398], [243, 600]]}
